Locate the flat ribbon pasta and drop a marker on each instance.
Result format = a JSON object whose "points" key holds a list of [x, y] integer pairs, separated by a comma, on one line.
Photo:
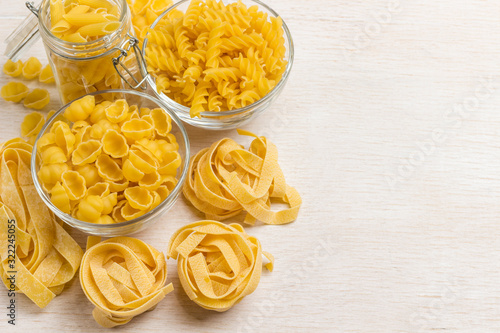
{"points": [[123, 277], [46, 257], [218, 264], [226, 179]]}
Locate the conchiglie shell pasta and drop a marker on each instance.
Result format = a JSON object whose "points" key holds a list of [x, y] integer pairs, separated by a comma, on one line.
{"points": [[13, 69], [142, 160], [89, 172], [90, 208], [32, 68], [136, 129], [129, 213], [162, 121], [14, 91], [86, 152], [59, 197], [46, 75], [74, 184], [101, 127], [53, 155], [64, 138], [80, 109], [108, 169], [131, 172], [99, 189], [37, 99], [117, 111], [170, 162], [108, 203], [49, 174], [47, 140], [32, 124], [138, 197], [151, 181], [114, 144], [118, 186]]}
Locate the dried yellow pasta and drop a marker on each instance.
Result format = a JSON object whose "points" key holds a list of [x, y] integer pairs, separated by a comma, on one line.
{"points": [[114, 163], [218, 264], [225, 179], [13, 69], [216, 56], [46, 257], [123, 277], [46, 75], [37, 99], [14, 91], [32, 68], [32, 124]]}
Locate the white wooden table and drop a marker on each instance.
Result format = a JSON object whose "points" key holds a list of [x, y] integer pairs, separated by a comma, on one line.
{"points": [[389, 127]]}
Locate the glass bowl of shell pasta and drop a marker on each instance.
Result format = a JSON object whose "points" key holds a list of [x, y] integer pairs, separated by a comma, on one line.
{"points": [[218, 65], [111, 162]]}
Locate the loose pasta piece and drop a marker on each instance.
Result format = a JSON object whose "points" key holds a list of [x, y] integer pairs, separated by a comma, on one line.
{"points": [[14, 91], [46, 75], [226, 179], [218, 264], [32, 68], [13, 69], [37, 99], [123, 277], [32, 124], [40, 238]]}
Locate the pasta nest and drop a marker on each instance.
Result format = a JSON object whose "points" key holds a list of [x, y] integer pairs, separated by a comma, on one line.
{"points": [[45, 256], [226, 179], [218, 264], [123, 277]]}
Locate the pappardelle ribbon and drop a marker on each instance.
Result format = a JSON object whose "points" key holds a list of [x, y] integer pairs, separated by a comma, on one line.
{"points": [[45, 256], [226, 179], [218, 264], [123, 277]]}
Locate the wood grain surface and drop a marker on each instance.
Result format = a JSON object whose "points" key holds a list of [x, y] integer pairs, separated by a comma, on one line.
{"points": [[389, 127]]}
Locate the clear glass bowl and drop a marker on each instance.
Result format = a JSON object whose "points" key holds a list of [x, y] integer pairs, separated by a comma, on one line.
{"points": [[137, 224], [234, 118]]}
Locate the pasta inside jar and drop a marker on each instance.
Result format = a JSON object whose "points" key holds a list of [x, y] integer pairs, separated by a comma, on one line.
{"points": [[83, 39]]}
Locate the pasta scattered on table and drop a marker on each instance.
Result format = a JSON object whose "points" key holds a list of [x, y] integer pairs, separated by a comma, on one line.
{"points": [[13, 69], [37, 99], [226, 179], [46, 257], [218, 264], [123, 277], [14, 91], [32, 68]]}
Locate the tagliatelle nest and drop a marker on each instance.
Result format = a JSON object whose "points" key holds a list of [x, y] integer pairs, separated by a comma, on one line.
{"points": [[218, 264], [225, 179]]}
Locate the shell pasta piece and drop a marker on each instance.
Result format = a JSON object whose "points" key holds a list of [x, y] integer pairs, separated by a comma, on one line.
{"points": [[218, 264], [37, 99], [123, 277], [32, 68], [14, 91], [13, 69]]}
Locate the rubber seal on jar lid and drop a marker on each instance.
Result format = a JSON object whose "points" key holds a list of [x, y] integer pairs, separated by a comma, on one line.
{"points": [[24, 36]]}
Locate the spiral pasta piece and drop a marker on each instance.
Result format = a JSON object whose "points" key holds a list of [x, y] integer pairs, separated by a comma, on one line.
{"points": [[45, 256], [123, 277], [218, 264], [226, 179]]}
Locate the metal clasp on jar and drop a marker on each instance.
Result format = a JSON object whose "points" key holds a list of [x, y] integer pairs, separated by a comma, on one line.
{"points": [[131, 44]]}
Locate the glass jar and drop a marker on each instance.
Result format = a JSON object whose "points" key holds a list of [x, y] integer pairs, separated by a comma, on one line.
{"points": [[109, 62]]}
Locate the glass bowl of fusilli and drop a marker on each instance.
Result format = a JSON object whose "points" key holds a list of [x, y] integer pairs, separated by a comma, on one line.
{"points": [[111, 162], [217, 65]]}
